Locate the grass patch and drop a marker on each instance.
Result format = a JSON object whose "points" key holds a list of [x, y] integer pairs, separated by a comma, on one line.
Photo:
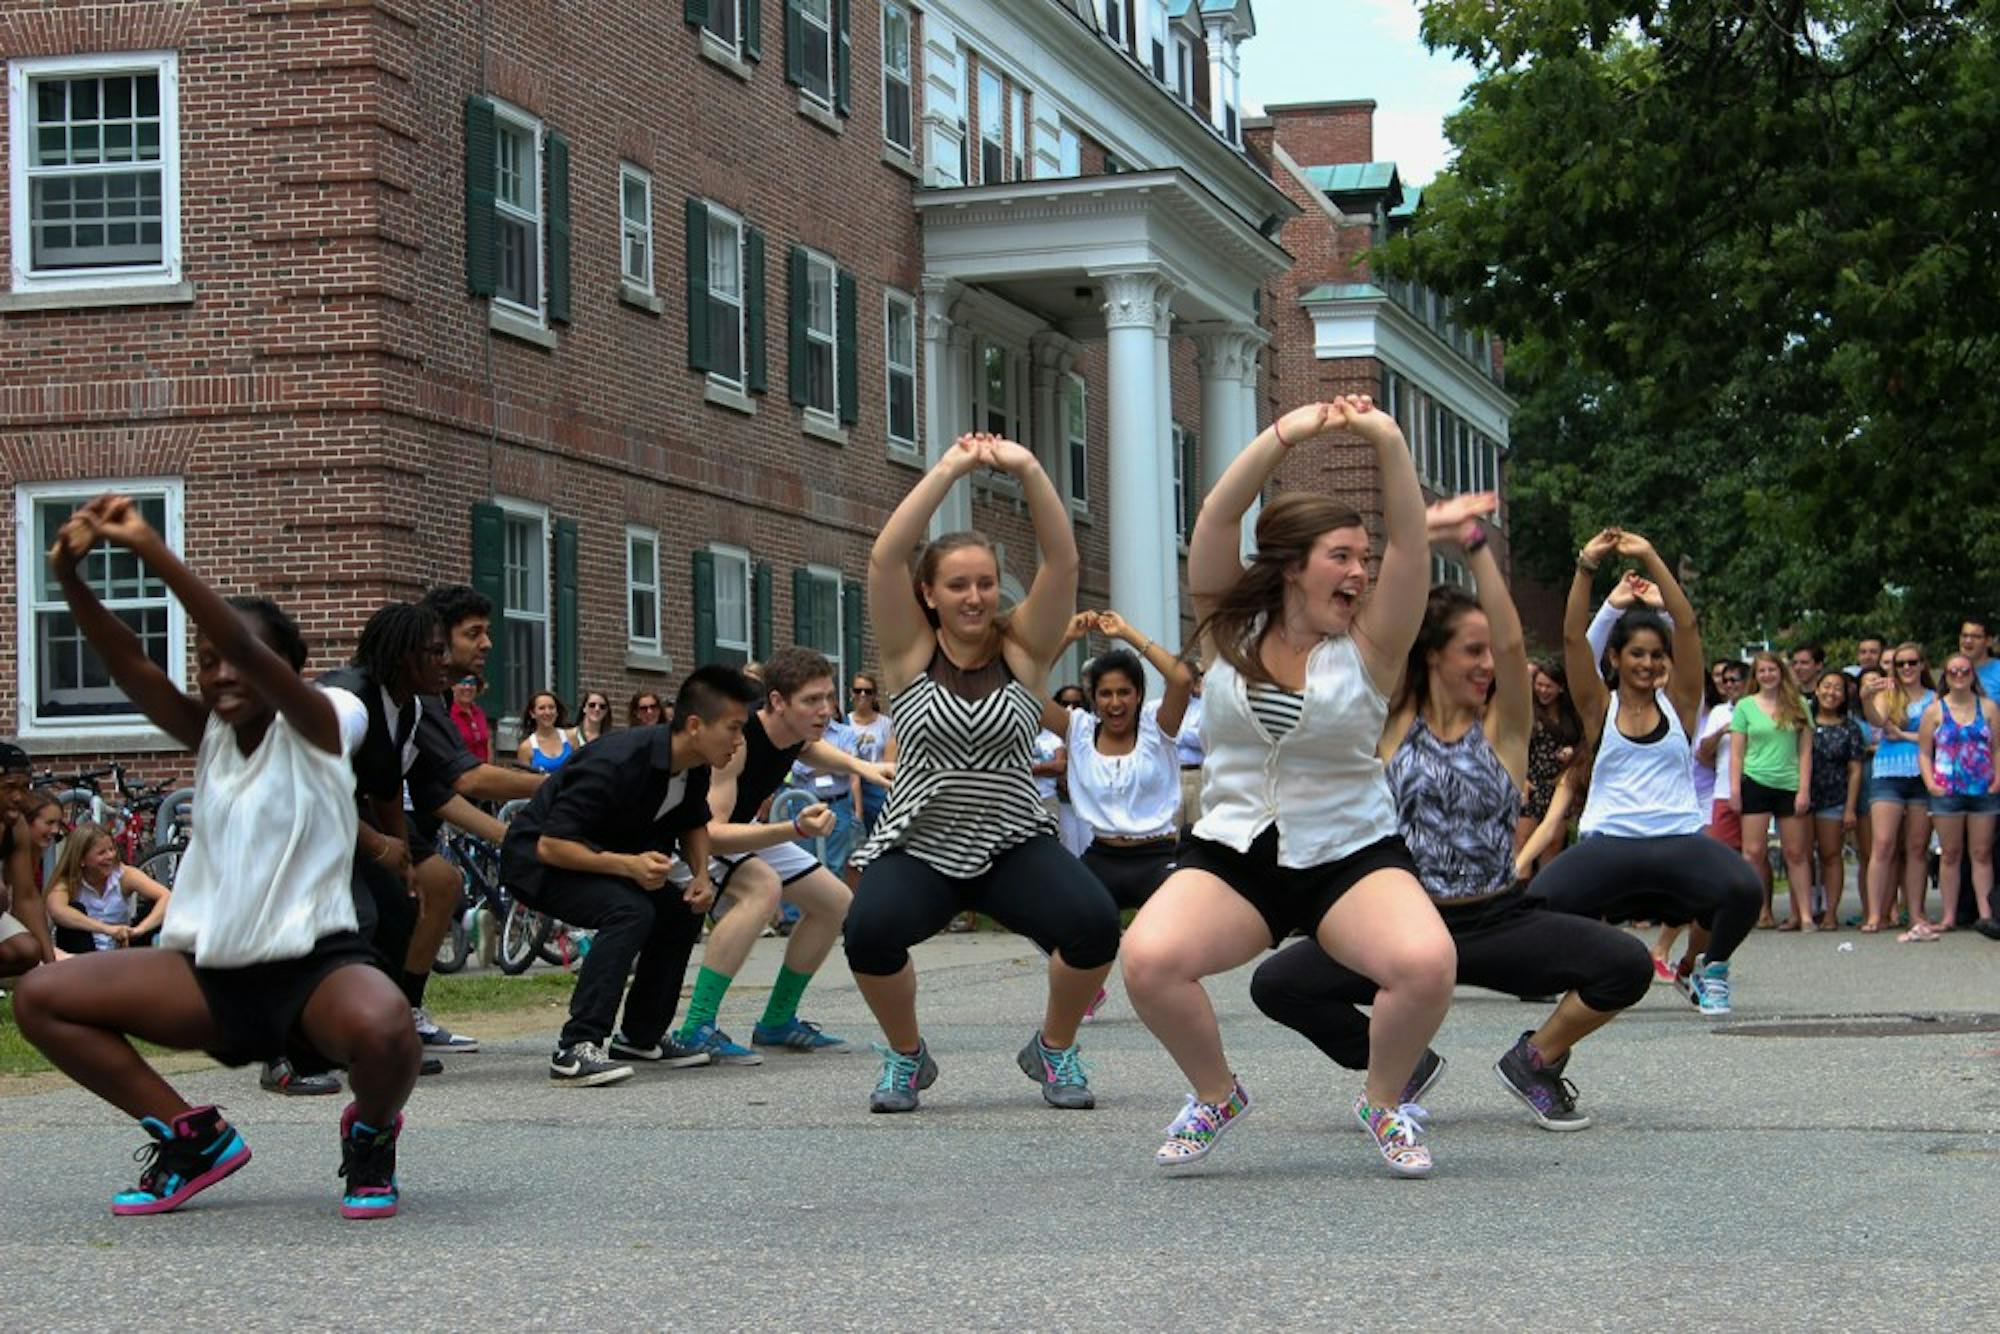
{"points": [[19, 1057]]}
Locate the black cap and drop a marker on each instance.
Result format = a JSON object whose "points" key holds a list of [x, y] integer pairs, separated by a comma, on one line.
{"points": [[13, 759]]}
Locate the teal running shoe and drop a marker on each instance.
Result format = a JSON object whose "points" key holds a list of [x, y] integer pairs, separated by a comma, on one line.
{"points": [[796, 1034]]}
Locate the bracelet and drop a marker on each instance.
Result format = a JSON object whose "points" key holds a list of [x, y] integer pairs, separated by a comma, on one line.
{"points": [[1476, 541], [798, 828], [1584, 562], [1280, 436]]}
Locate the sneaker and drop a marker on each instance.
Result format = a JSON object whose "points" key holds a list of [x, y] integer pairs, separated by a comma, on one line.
{"points": [[720, 1048], [585, 1066], [1427, 1076], [279, 1077], [1688, 984], [1194, 1132], [668, 1052], [437, 1038], [1712, 988], [1987, 927], [368, 1161], [903, 1077], [430, 1065], [1396, 1132], [795, 1034], [1065, 1083], [1663, 971], [1550, 1098], [184, 1159], [1090, 1015]]}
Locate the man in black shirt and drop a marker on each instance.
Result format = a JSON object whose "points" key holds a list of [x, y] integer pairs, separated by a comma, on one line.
{"points": [[624, 818]]}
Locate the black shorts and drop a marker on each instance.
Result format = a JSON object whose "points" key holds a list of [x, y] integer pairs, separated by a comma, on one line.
{"points": [[1761, 800], [1291, 899], [1131, 871], [256, 1009]]}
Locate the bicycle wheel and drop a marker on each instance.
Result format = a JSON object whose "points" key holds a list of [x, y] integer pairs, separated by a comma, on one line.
{"points": [[162, 862], [454, 949], [521, 939]]}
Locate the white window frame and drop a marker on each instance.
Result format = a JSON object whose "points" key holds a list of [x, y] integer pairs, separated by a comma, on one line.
{"points": [[906, 76], [829, 338], [1180, 440], [961, 104], [1160, 51], [734, 8], [29, 561], [20, 73], [893, 301], [1112, 12], [1069, 151], [642, 576], [992, 123], [1076, 448], [808, 26], [1015, 361], [724, 221], [635, 230], [1184, 68], [506, 118], [514, 511], [1017, 132], [826, 582], [747, 646]]}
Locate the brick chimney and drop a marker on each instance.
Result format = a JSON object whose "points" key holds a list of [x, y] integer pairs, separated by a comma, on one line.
{"points": [[1321, 134]]}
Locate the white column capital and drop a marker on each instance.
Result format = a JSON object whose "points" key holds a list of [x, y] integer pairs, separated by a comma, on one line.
{"points": [[1134, 298], [940, 295], [1221, 349], [1055, 351]]}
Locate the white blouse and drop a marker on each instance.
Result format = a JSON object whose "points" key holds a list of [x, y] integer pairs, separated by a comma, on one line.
{"points": [[1136, 795]]}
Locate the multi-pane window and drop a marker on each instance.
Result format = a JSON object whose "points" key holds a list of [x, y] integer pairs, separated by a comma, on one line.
{"points": [[1184, 69], [1159, 23], [1114, 22], [725, 295], [1227, 96], [899, 343], [1181, 481], [961, 102], [732, 605], [816, 26], [95, 168], [524, 596], [725, 21], [1076, 442], [822, 622], [1017, 131], [992, 120], [996, 389], [1069, 152], [822, 334], [642, 589], [63, 681], [517, 198], [898, 108], [635, 220]]}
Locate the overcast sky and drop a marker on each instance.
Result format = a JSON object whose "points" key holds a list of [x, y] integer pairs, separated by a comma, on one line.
{"points": [[1330, 50]]}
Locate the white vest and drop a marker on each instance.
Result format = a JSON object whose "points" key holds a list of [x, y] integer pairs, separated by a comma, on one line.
{"points": [[1322, 783], [1642, 791]]}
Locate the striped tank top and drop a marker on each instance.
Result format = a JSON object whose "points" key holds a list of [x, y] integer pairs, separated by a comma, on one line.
{"points": [[964, 792]]}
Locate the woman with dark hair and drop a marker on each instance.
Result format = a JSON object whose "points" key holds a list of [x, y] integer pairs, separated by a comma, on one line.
{"points": [[1836, 789], [1955, 748], [1553, 741], [1898, 803], [965, 827], [593, 717], [1771, 771], [546, 739], [644, 710], [1298, 829], [1457, 750], [1642, 854]]}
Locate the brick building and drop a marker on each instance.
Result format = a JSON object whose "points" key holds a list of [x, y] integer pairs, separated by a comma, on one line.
{"points": [[639, 316]]}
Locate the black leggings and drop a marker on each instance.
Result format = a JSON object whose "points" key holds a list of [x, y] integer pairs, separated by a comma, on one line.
{"points": [[1674, 878], [1508, 944], [1132, 872], [1034, 888]]}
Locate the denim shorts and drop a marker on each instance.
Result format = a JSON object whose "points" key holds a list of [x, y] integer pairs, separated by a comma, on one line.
{"points": [[1908, 791], [1834, 813], [1965, 803]]}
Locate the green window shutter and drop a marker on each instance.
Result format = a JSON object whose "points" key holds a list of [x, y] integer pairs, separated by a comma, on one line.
{"points": [[802, 608], [694, 11], [761, 643], [482, 252], [489, 556], [756, 374], [569, 642], [697, 278], [1190, 485], [753, 29], [795, 44], [796, 298], [851, 623], [704, 608], [843, 62], [848, 378], [558, 231]]}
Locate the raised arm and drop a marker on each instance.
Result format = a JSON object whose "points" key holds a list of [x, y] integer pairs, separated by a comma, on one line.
{"points": [[1684, 683], [901, 629], [1388, 621], [1584, 669], [1215, 551], [1174, 671], [1040, 621]]}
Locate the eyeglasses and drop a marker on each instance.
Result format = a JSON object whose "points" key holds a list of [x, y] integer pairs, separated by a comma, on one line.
{"points": [[469, 681]]}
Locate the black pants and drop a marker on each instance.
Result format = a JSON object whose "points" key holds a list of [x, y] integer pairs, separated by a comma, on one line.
{"points": [[1132, 872], [1509, 944], [1034, 888], [385, 914], [654, 928], [1676, 878]]}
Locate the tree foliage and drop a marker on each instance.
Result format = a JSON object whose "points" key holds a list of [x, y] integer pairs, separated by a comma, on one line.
{"points": [[1744, 256]]}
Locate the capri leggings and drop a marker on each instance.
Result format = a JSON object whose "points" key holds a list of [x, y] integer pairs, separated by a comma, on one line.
{"points": [[1674, 878], [1508, 944], [1034, 888]]}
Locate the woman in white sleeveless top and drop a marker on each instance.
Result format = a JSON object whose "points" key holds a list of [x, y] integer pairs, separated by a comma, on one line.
{"points": [[1297, 829]]}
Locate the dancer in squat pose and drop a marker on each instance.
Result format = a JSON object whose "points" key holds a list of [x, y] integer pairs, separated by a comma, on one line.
{"points": [[258, 955], [1457, 764], [1642, 854], [964, 827], [1297, 830]]}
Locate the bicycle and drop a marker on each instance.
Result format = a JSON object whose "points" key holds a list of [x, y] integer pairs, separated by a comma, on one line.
{"points": [[478, 863]]}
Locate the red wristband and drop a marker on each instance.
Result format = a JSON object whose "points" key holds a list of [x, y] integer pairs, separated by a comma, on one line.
{"points": [[1476, 541]]}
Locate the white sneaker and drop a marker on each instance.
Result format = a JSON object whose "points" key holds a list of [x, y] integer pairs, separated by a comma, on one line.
{"points": [[436, 1037]]}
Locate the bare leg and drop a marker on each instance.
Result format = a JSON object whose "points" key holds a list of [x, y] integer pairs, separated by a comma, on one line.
{"points": [[1916, 861], [823, 902], [1756, 851], [753, 888], [1388, 930], [1071, 990], [1832, 842], [358, 1018], [1795, 841], [1951, 856], [438, 883], [1663, 944], [79, 1016], [893, 1001], [18, 955], [1572, 1022], [1193, 927], [1885, 818]]}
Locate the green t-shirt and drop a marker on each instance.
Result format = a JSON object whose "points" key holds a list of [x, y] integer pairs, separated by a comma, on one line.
{"points": [[1770, 752]]}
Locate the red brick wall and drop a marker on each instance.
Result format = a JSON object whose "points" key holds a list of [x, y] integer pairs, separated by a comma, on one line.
{"points": [[1325, 133]]}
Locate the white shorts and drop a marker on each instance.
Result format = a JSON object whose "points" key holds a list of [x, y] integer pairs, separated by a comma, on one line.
{"points": [[790, 861]]}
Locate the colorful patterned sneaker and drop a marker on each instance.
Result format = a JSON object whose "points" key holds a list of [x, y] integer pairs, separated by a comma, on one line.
{"points": [[668, 1052], [796, 1035], [1427, 1076], [279, 1077], [436, 1037], [1090, 1015], [1064, 1079], [903, 1077], [1712, 988], [721, 1050], [184, 1159], [1550, 1098], [585, 1065], [368, 1161], [1396, 1131], [1194, 1132]]}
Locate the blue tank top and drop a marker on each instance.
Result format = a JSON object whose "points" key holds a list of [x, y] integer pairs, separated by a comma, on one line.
{"points": [[548, 764]]}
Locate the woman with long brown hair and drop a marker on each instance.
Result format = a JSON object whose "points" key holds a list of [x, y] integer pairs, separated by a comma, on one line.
{"points": [[1898, 803], [1771, 771], [1557, 729]]}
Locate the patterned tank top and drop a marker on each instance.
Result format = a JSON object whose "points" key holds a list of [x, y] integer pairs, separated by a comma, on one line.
{"points": [[1963, 753], [964, 791], [1456, 806]]}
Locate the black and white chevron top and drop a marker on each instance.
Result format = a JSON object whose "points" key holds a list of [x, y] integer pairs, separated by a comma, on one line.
{"points": [[963, 793], [1456, 806]]}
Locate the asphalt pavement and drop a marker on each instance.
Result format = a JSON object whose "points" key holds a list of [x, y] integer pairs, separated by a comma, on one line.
{"points": [[1840, 1170]]}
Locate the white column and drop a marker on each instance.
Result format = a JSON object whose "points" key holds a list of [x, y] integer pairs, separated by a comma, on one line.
{"points": [[1052, 356], [1226, 357], [943, 397], [1132, 302], [1251, 407], [1170, 522]]}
